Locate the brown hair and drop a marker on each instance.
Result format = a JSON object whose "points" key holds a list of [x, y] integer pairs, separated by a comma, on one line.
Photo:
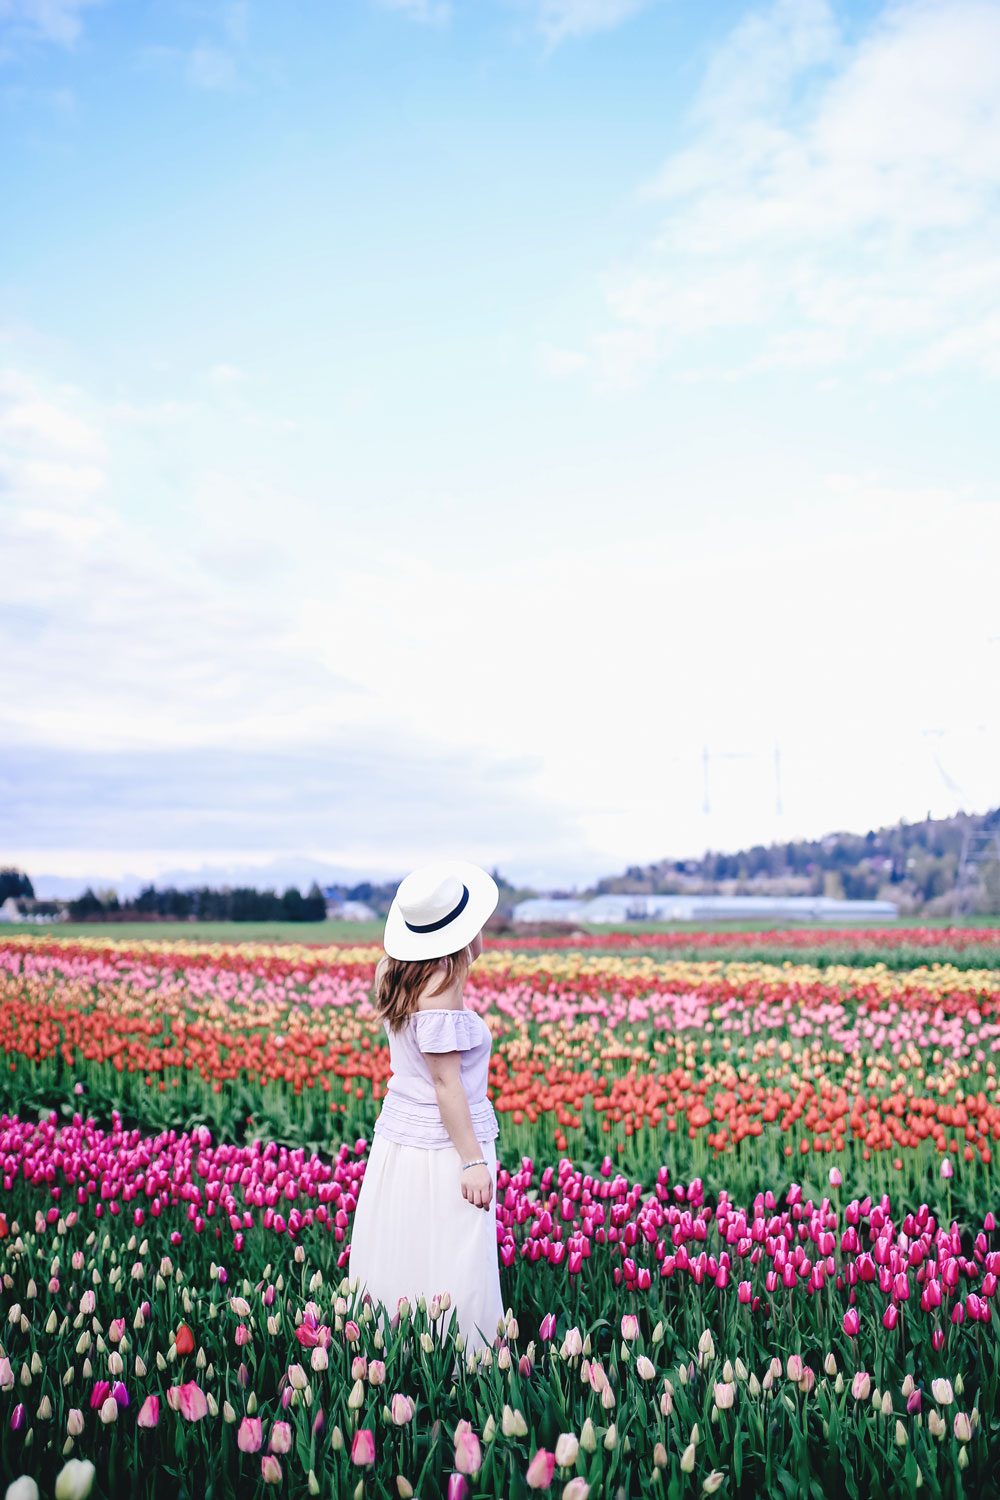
{"points": [[403, 981]]}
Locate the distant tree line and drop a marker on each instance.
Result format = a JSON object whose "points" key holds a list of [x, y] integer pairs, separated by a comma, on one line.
{"points": [[202, 904]]}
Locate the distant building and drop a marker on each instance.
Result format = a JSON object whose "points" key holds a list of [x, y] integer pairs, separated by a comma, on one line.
{"points": [[29, 909], [614, 909], [338, 910]]}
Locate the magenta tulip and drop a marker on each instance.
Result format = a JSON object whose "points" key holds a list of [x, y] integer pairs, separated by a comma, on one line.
{"points": [[250, 1435], [149, 1412], [541, 1469], [363, 1447], [191, 1401], [468, 1458]]}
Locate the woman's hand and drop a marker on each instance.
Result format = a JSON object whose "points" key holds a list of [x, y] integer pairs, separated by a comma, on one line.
{"points": [[477, 1186]]}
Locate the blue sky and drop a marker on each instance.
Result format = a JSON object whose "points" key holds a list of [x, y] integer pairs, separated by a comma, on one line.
{"points": [[425, 427]]}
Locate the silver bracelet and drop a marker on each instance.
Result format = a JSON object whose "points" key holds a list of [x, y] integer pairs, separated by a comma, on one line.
{"points": [[480, 1162]]}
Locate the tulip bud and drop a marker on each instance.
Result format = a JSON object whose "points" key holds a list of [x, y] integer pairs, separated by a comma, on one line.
{"points": [[75, 1479], [567, 1447]]}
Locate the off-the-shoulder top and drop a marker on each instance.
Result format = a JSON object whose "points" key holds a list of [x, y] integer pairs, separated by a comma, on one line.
{"points": [[409, 1112]]}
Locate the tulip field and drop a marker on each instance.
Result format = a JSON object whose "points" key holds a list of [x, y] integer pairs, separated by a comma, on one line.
{"points": [[747, 1207]]}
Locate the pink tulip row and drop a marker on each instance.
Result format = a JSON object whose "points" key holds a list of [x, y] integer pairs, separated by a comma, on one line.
{"points": [[563, 1218], [851, 1006], [800, 1248], [122, 1171]]}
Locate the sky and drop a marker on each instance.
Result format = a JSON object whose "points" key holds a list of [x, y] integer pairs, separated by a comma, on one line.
{"points": [[554, 433]]}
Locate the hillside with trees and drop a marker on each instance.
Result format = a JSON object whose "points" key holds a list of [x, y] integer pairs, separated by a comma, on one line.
{"points": [[912, 864]]}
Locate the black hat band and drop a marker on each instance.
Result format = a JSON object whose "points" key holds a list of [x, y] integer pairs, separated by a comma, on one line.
{"points": [[435, 926]]}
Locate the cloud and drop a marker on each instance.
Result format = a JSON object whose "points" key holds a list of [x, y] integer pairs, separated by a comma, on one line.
{"points": [[566, 20], [556, 362], [350, 798], [424, 12], [58, 21], [837, 202], [216, 64], [136, 645], [210, 67], [225, 375], [222, 681]]}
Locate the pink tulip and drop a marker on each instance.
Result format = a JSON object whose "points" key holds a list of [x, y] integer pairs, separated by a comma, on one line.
{"points": [[630, 1330], [17, 1418], [851, 1322], [947, 1170], [281, 1438], [548, 1327], [402, 1409], [576, 1489], [541, 1469], [250, 1435], [149, 1412], [891, 1316], [458, 1487], [468, 1459], [270, 1469], [363, 1447], [191, 1401]]}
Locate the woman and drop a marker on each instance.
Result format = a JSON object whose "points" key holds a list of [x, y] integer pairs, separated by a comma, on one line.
{"points": [[425, 1221]]}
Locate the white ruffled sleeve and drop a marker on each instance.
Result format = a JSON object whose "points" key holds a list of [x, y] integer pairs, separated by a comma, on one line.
{"points": [[445, 1030]]}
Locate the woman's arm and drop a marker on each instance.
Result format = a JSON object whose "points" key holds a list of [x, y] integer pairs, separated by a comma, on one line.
{"points": [[446, 1075]]}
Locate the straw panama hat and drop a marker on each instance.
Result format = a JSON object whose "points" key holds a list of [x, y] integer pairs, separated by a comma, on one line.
{"points": [[438, 909]]}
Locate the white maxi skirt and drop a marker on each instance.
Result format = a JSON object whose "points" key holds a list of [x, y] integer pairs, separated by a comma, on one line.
{"points": [[414, 1234]]}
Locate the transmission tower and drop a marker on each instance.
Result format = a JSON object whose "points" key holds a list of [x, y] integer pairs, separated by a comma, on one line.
{"points": [[980, 847], [707, 756]]}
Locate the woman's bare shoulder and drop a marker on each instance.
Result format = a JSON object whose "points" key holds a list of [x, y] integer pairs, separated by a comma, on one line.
{"points": [[449, 999]]}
